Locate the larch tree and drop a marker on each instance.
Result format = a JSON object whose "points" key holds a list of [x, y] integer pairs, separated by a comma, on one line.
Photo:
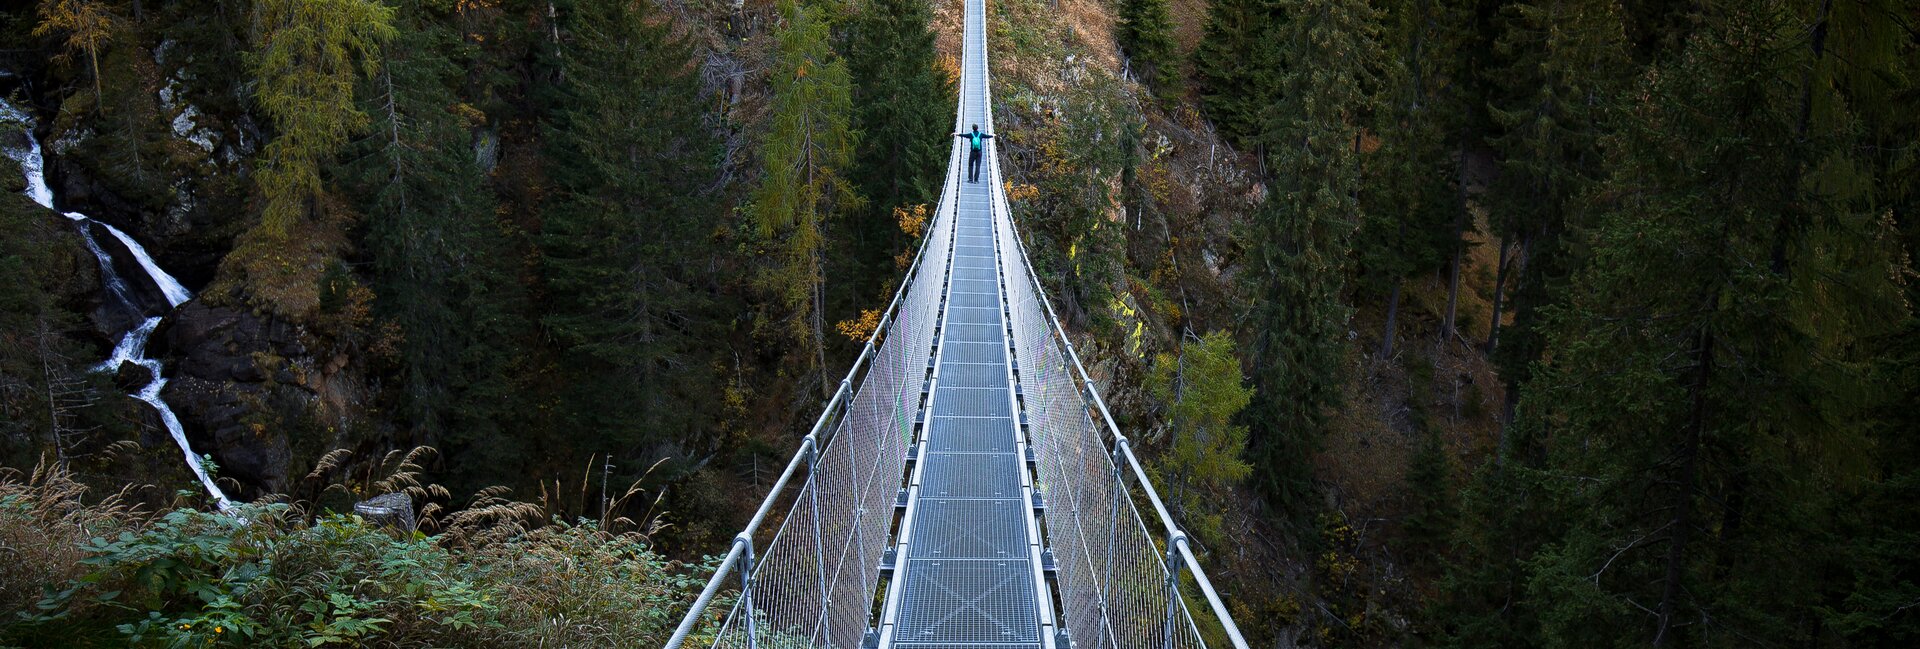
{"points": [[307, 58], [89, 26], [1202, 389], [1303, 234], [806, 152]]}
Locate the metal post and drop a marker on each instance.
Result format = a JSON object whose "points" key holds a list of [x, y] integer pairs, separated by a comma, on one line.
{"points": [[1174, 542], [1113, 540], [819, 550], [746, 592]]}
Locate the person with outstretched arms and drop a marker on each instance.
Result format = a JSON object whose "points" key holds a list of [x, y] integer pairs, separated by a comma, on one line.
{"points": [[976, 138]]}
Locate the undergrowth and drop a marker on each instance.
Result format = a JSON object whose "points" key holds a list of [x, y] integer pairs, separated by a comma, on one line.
{"points": [[75, 573]]}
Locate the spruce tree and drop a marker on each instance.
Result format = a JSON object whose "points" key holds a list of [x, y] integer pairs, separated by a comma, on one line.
{"points": [[1236, 66], [625, 229], [1330, 51], [902, 107], [1565, 69], [442, 272], [1703, 395], [806, 151], [1145, 32]]}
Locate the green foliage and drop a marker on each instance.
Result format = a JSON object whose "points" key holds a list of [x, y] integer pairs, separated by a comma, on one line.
{"points": [[441, 267], [902, 105], [1236, 65], [1705, 406], [805, 154], [1303, 233], [307, 58], [1203, 393], [624, 233], [262, 577], [1145, 32], [1565, 73]]}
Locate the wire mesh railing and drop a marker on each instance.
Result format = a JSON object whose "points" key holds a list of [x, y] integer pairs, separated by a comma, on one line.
{"points": [[813, 583], [1117, 588]]}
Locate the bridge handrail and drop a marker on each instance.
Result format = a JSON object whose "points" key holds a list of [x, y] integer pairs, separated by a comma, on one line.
{"points": [[742, 542], [1176, 538]]}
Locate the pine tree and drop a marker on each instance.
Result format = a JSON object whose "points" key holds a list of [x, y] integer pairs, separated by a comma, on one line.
{"points": [[902, 107], [1236, 65], [808, 146], [1304, 232], [1145, 32], [625, 230]]}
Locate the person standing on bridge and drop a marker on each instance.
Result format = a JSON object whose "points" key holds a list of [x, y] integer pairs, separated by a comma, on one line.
{"points": [[976, 138]]}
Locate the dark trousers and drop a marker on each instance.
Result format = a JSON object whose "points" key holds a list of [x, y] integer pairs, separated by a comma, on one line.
{"points": [[973, 167]]}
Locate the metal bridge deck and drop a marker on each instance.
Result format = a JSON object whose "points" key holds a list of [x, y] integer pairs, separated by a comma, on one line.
{"points": [[971, 576]]}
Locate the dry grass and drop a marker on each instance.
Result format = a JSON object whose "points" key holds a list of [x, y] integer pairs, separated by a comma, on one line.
{"points": [[43, 522], [1091, 22]]}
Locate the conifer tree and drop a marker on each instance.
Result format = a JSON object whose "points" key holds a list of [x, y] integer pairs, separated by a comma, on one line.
{"points": [[89, 26], [1565, 69], [808, 147], [1705, 386], [1203, 391], [307, 57], [635, 166], [442, 271], [903, 106], [1145, 32], [1236, 66], [1304, 232]]}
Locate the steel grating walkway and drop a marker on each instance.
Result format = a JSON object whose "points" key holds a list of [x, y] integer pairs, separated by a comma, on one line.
{"points": [[924, 476], [968, 556]]}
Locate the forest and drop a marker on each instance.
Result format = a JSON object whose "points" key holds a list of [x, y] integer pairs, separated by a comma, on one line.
{"points": [[1440, 323]]}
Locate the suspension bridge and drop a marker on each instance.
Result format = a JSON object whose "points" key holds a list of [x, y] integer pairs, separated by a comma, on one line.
{"points": [[965, 487]]}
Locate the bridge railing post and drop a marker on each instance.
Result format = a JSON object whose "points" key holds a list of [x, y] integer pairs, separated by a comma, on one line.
{"points": [[1174, 564], [812, 451], [746, 591]]}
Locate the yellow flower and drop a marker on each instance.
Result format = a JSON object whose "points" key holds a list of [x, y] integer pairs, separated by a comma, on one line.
{"points": [[219, 629]]}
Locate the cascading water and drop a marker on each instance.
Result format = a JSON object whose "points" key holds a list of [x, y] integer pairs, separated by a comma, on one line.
{"points": [[133, 345]]}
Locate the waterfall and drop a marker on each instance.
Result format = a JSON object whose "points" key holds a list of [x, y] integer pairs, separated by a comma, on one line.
{"points": [[133, 345]]}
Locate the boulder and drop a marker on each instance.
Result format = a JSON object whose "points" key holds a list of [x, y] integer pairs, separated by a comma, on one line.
{"points": [[388, 510], [131, 376]]}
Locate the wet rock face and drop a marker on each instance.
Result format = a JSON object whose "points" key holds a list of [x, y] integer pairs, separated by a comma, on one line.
{"points": [[131, 376], [138, 298], [229, 400]]}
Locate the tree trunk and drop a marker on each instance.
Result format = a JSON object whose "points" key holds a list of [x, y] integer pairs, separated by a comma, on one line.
{"points": [[1393, 313], [1500, 290], [1459, 250], [1682, 522]]}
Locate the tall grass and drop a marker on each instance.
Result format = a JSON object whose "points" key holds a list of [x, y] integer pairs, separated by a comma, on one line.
{"points": [[495, 573]]}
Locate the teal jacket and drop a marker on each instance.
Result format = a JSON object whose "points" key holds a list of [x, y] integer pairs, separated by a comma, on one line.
{"points": [[975, 137]]}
